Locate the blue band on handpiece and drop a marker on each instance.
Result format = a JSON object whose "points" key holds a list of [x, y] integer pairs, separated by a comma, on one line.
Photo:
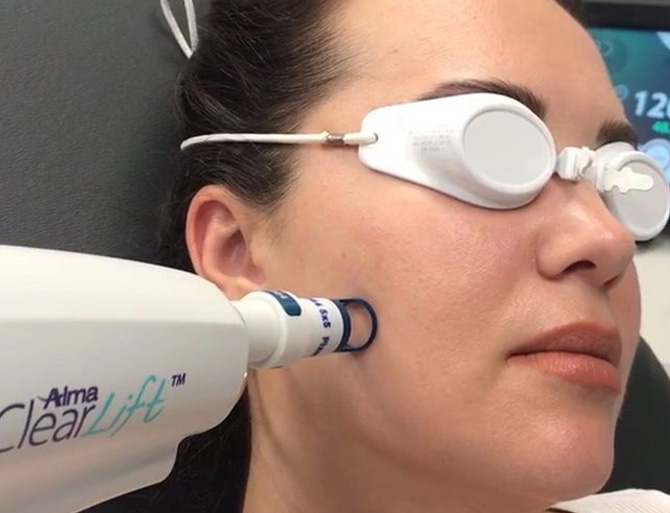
{"points": [[344, 346], [290, 305]]}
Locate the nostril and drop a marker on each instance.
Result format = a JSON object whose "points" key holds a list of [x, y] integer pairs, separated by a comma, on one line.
{"points": [[582, 264]]}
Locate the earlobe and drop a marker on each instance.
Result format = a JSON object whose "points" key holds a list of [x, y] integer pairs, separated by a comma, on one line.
{"points": [[219, 231]]}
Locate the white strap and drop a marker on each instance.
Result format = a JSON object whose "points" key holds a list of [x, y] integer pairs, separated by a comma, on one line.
{"points": [[177, 32], [351, 139]]}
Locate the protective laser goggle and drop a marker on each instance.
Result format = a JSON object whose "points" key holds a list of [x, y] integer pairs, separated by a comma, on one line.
{"points": [[492, 151]]}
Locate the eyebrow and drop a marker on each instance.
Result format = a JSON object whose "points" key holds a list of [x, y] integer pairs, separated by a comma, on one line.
{"points": [[613, 130]]}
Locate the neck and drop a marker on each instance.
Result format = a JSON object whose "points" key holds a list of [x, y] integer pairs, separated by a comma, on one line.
{"points": [[301, 467], [341, 484]]}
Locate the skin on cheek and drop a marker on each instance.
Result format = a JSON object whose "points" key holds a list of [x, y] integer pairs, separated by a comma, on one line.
{"points": [[436, 280], [625, 299]]}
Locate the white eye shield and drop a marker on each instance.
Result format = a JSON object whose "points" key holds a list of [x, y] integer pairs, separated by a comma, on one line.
{"points": [[491, 151]]}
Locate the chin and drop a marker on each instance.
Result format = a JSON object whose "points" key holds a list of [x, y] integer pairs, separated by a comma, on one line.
{"points": [[573, 467], [557, 458]]}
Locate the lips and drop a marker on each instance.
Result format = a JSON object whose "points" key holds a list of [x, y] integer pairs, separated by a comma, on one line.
{"points": [[599, 341]]}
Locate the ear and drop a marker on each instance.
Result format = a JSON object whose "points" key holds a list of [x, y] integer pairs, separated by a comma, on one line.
{"points": [[221, 231]]}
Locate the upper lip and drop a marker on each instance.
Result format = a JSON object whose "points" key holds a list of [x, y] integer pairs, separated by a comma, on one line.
{"points": [[597, 340]]}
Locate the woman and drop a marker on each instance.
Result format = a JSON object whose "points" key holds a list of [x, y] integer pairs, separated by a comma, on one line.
{"points": [[436, 415]]}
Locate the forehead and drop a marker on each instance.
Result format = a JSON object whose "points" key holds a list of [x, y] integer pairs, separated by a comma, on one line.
{"points": [[400, 50]]}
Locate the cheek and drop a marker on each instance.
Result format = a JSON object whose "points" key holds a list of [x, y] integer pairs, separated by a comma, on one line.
{"points": [[441, 275], [427, 262], [414, 253], [438, 269], [626, 310]]}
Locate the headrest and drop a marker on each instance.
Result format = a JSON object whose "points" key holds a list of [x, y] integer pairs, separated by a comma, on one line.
{"points": [[88, 136]]}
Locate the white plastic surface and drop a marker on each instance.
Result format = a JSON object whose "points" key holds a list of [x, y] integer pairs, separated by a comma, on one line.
{"points": [[314, 328], [631, 500], [572, 162], [263, 326], [463, 146], [106, 366]]}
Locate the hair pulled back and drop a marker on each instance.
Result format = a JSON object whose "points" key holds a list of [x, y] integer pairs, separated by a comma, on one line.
{"points": [[260, 65]]}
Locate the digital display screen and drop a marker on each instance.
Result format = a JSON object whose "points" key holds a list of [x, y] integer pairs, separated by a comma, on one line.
{"points": [[639, 64]]}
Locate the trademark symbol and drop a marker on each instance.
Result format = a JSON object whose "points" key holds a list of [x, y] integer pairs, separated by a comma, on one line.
{"points": [[178, 380]]}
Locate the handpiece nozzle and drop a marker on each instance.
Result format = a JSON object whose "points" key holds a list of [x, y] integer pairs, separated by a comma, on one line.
{"points": [[284, 328]]}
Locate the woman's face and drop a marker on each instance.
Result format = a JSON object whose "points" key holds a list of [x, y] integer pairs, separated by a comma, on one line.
{"points": [[456, 287]]}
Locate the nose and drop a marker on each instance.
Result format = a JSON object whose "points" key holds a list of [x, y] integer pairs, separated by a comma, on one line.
{"points": [[580, 236]]}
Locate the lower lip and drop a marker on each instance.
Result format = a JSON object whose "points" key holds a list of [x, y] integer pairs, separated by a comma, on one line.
{"points": [[580, 368]]}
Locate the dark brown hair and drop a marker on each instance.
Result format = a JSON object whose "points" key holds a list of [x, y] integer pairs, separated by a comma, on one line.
{"points": [[259, 66]]}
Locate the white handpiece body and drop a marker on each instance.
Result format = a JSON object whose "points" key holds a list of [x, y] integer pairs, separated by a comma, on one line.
{"points": [[108, 364]]}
